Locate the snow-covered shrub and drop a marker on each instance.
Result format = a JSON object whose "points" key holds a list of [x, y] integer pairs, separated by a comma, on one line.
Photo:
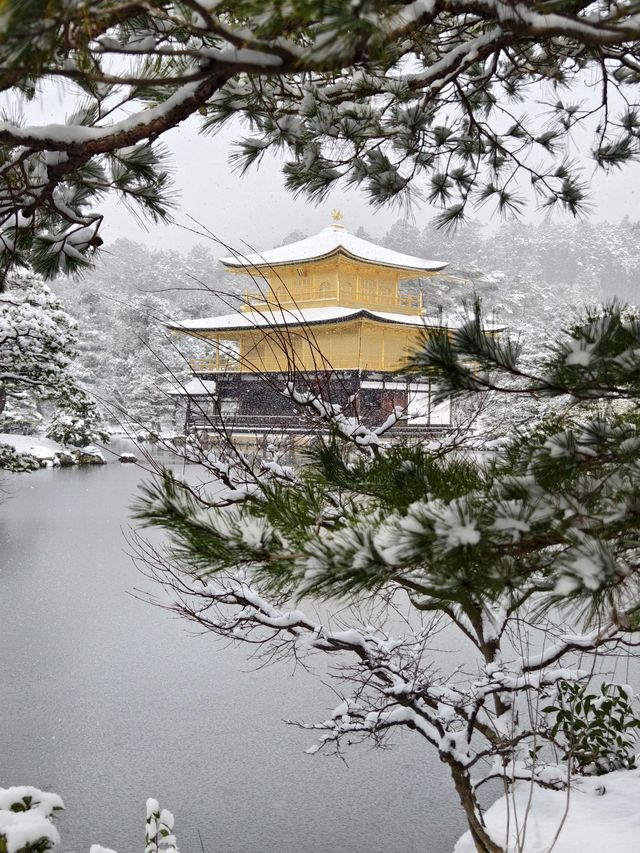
{"points": [[159, 837], [77, 420], [26, 823], [12, 460], [598, 732], [26, 820], [21, 415]]}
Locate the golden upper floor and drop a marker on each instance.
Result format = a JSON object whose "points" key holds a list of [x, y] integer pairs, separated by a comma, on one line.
{"points": [[333, 282], [332, 268]]}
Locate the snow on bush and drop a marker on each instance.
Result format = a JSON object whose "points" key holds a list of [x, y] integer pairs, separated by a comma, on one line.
{"points": [[77, 421], [13, 460], [159, 837], [26, 819], [26, 823]]}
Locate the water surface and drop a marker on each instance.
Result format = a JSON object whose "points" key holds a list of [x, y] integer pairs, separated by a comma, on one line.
{"points": [[107, 701]]}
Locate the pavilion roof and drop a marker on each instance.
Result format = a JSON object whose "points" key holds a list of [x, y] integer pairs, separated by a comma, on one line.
{"points": [[332, 240], [195, 387], [243, 321]]}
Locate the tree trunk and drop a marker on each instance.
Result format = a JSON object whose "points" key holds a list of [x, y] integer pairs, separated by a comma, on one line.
{"points": [[3, 398], [469, 803]]}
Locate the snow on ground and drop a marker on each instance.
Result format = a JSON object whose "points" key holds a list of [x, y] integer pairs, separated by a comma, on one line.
{"points": [[43, 448], [596, 822], [49, 453]]}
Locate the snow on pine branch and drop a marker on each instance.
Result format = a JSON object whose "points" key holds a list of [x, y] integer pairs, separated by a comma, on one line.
{"points": [[392, 678], [369, 93], [571, 642], [350, 428]]}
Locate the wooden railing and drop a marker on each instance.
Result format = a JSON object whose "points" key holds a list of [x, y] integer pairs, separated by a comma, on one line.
{"points": [[264, 423], [355, 295], [214, 365], [279, 362], [255, 299]]}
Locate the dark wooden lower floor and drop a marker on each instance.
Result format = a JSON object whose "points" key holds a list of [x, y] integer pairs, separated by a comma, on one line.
{"points": [[244, 402]]}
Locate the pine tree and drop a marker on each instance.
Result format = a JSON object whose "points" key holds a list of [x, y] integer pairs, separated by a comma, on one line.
{"points": [[541, 531], [38, 343], [37, 339], [77, 420]]}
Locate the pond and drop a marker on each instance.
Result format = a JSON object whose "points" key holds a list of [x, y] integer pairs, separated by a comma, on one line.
{"points": [[107, 700]]}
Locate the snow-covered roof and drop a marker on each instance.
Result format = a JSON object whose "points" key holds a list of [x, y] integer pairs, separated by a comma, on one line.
{"points": [[332, 240], [196, 387], [241, 321]]}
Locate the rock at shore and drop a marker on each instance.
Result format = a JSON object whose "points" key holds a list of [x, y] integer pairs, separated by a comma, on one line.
{"points": [[88, 456]]}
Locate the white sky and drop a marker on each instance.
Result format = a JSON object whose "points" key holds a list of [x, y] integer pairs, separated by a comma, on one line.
{"points": [[256, 209]]}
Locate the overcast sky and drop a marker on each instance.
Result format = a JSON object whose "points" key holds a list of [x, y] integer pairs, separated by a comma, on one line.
{"points": [[256, 209]]}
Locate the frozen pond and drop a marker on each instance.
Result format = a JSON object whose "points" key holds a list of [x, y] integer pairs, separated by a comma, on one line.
{"points": [[107, 701]]}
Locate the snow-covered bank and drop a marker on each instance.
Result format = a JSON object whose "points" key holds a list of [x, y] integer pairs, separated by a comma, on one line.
{"points": [[30, 452], [603, 814], [42, 448]]}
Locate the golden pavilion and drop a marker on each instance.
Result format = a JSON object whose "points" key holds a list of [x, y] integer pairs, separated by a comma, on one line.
{"points": [[328, 313]]}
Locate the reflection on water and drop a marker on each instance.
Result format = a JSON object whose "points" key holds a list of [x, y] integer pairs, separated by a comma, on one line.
{"points": [[107, 701]]}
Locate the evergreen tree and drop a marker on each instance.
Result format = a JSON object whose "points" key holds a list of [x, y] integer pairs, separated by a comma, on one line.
{"points": [[38, 343], [37, 339], [546, 524], [77, 419]]}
